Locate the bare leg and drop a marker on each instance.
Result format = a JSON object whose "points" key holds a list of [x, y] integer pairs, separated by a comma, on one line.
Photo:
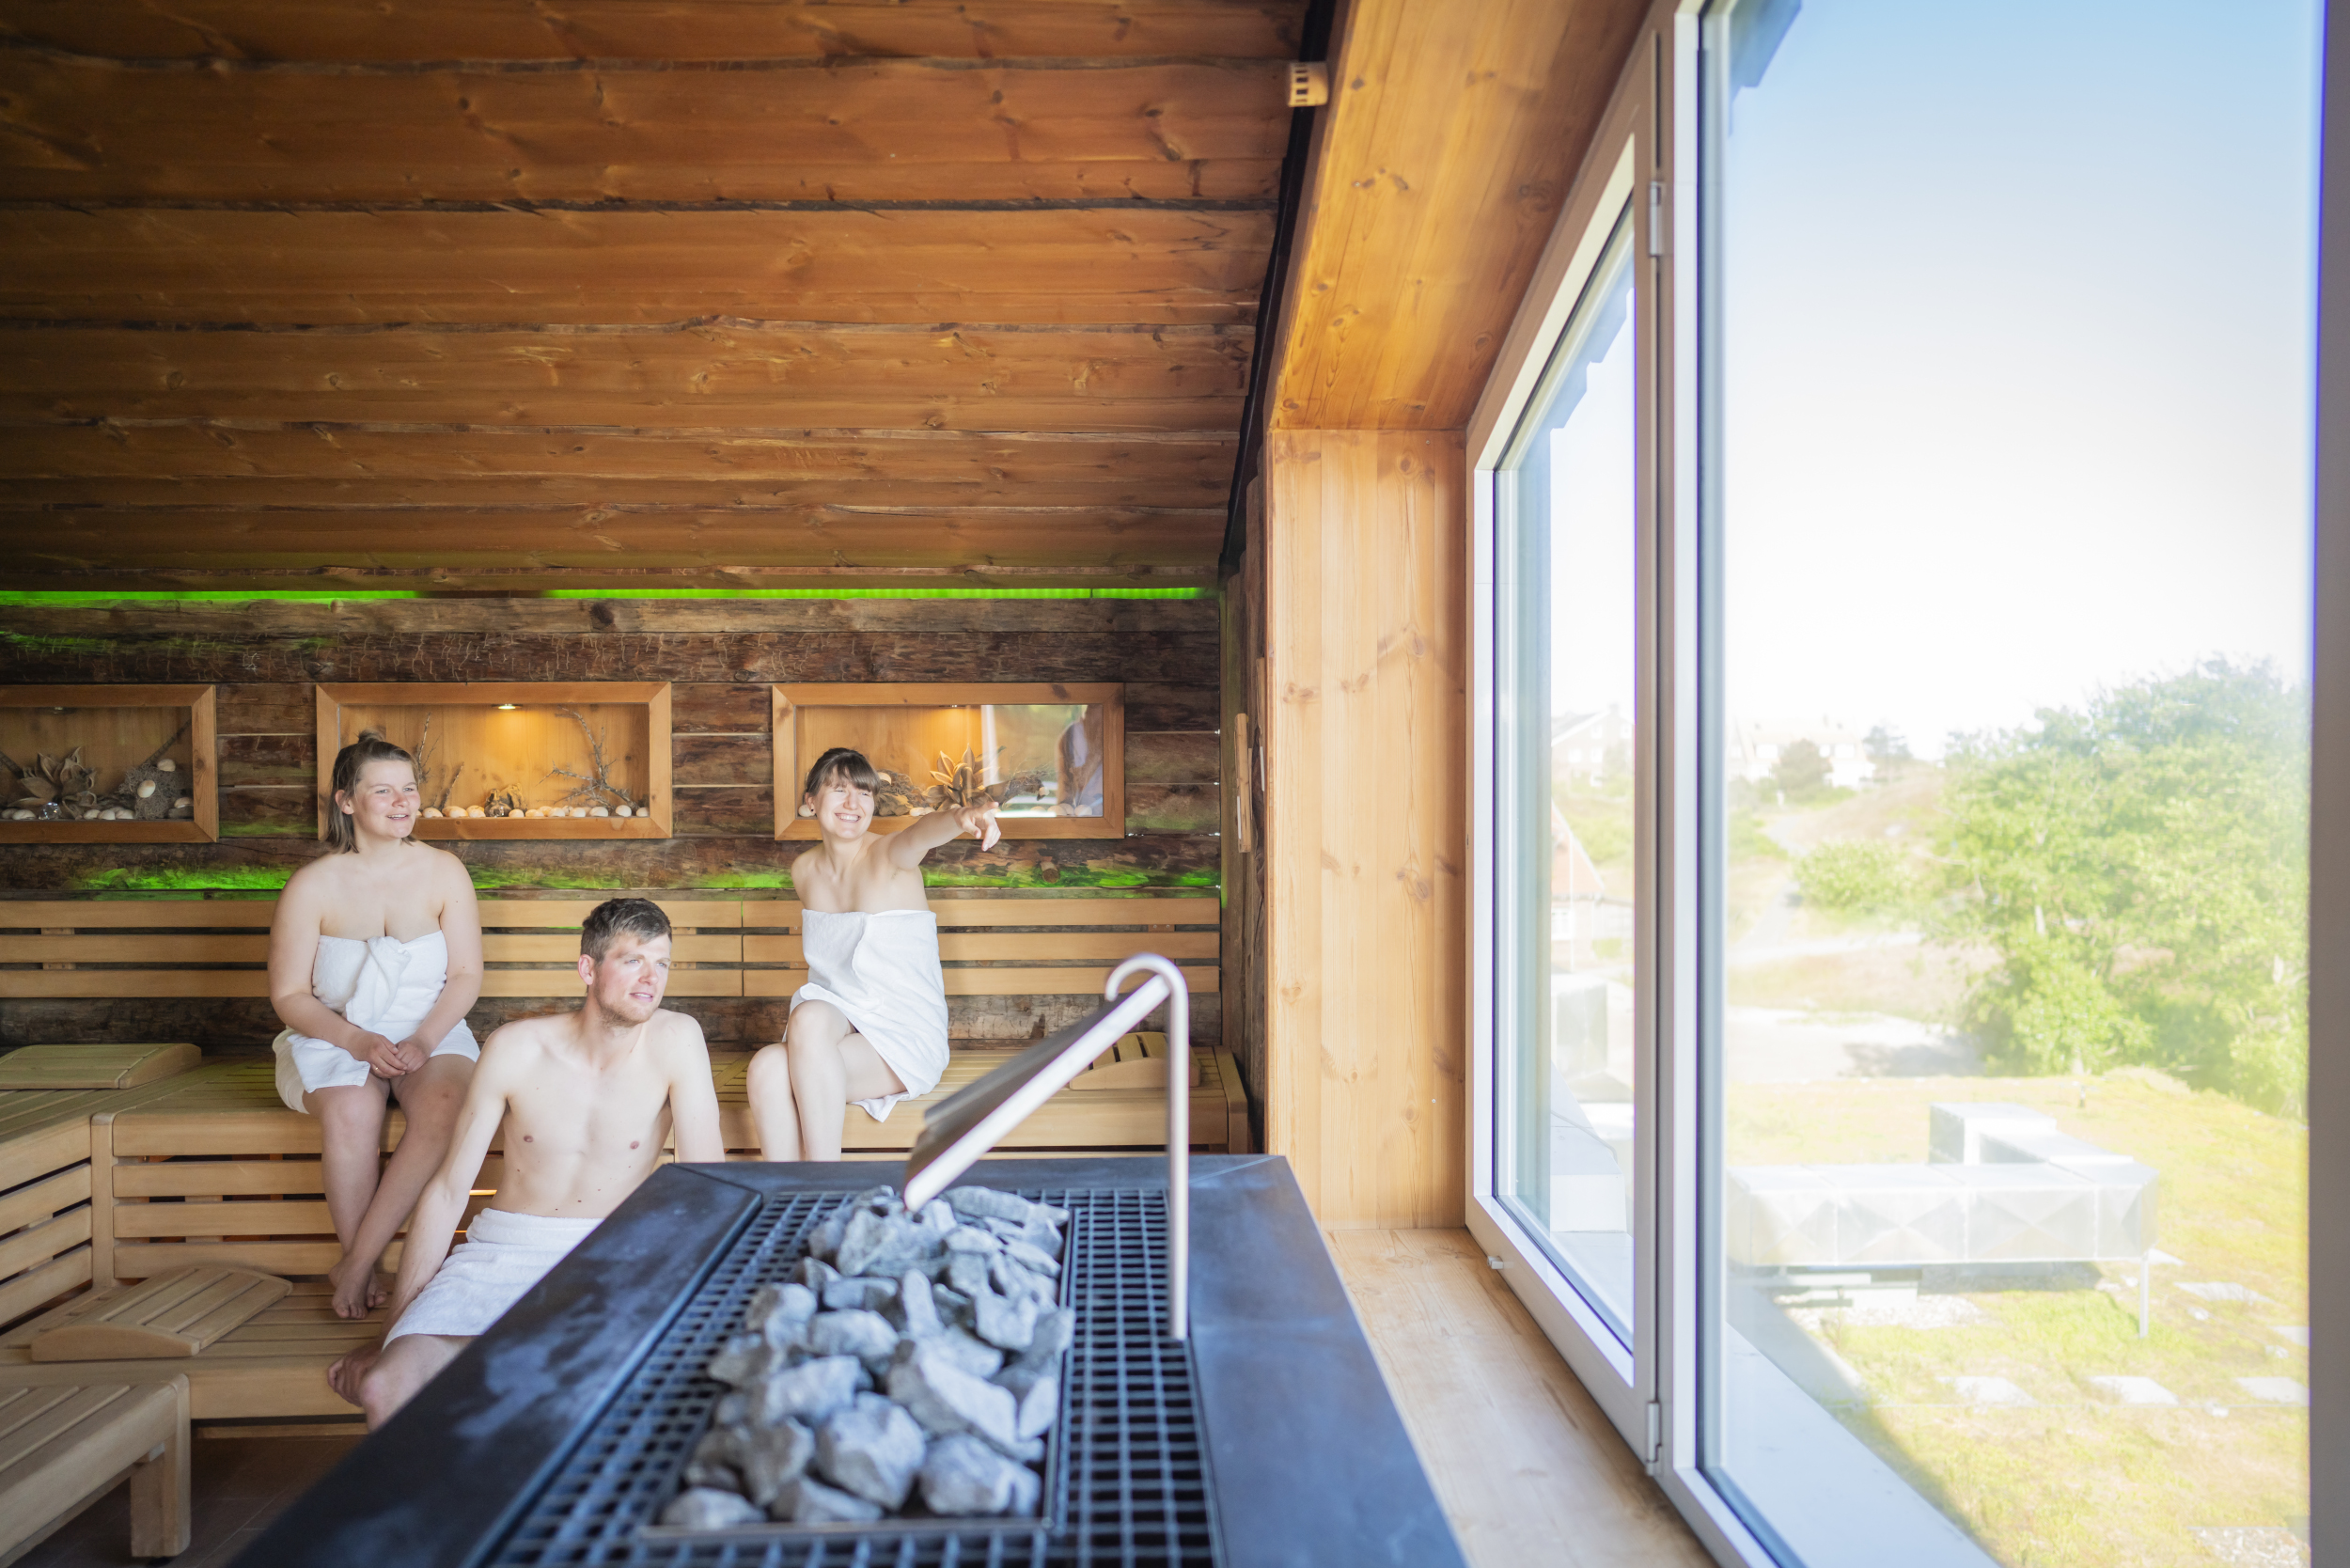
{"points": [[405, 1366], [431, 1097], [351, 1133], [829, 1067], [775, 1113]]}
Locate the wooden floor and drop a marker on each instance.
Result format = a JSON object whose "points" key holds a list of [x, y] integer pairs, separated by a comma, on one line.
{"points": [[1528, 1470], [239, 1485]]}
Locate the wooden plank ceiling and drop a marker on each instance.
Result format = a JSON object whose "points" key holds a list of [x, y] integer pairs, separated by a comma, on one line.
{"points": [[494, 295]]}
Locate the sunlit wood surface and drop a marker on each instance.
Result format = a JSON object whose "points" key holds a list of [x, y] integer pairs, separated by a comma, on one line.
{"points": [[1528, 1470]]}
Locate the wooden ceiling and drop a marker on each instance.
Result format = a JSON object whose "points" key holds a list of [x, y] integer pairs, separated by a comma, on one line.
{"points": [[504, 294]]}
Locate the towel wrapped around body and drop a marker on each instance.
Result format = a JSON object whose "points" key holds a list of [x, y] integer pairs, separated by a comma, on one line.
{"points": [[503, 1254], [881, 970], [384, 985]]}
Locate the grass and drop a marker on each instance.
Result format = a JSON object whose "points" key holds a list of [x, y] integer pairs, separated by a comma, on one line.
{"points": [[2073, 1480]]}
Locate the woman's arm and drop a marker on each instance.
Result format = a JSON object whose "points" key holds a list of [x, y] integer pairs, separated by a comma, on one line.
{"points": [[910, 844], [293, 949], [461, 933]]}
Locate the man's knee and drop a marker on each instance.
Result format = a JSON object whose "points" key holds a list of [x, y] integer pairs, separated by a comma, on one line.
{"points": [[351, 1114]]}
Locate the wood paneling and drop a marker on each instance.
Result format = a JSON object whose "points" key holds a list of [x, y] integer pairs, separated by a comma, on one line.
{"points": [[498, 264], [605, 30], [1367, 828], [843, 130], [1439, 167], [662, 401]]}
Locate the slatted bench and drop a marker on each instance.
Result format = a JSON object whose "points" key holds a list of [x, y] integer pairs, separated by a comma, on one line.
{"points": [[69, 1436]]}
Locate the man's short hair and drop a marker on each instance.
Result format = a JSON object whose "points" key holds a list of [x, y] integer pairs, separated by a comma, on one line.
{"points": [[638, 917]]}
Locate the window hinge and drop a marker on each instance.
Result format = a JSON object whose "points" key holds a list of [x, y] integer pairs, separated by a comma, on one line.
{"points": [[1655, 1432], [1656, 245]]}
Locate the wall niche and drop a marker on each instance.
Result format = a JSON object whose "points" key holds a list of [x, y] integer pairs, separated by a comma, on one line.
{"points": [[516, 759], [108, 764]]}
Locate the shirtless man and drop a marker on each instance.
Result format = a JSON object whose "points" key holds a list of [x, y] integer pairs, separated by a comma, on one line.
{"points": [[585, 1099]]}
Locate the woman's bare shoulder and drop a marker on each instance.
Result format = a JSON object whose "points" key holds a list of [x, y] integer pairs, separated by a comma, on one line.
{"points": [[313, 879]]}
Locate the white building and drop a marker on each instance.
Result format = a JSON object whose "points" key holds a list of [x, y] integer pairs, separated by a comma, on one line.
{"points": [[1755, 750]]}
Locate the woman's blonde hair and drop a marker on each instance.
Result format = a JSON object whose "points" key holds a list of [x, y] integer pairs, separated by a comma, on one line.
{"points": [[341, 832]]}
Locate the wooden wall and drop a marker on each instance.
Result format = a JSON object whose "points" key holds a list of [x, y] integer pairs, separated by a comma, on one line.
{"points": [[1437, 172], [722, 655]]}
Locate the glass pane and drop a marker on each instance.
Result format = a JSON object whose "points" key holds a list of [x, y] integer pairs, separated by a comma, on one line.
{"points": [[2008, 543], [1571, 883]]}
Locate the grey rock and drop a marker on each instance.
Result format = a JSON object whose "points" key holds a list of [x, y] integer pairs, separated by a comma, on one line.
{"points": [[707, 1508], [733, 1410], [1018, 1284], [771, 1458], [713, 1463], [973, 1356], [862, 1294], [1052, 1216], [824, 1241], [866, 1336], [774, 1311], [811, 1391], [939, 1215], [810, 1501], [815, 1274], [970, 1238], [962, 1477], [946, 1399], [987, 1202], [918, 1313], [952, 1304], [1039, 1406], [967, 1272], [1035, 1232], [742, 1362], [1034, 1259], [1054, 1330], [871, 1449], [1004, 1323]]}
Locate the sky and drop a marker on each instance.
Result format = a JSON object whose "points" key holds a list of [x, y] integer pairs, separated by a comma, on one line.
{"points": [[2019, 323]]}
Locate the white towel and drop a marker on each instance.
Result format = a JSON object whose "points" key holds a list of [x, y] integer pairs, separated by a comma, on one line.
{"points": [[881, 970], [383, 984], [504, 1254]]}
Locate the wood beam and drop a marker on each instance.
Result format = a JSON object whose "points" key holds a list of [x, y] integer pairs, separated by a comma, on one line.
{"points": [[209, 465], [1064, 264], [428, 30], [1367, 821], [696, 374], [796, 536], [885, 130], [1450, 139]]}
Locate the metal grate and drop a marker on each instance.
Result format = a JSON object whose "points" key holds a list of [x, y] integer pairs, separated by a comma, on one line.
{"points": [[1129, 1480]]}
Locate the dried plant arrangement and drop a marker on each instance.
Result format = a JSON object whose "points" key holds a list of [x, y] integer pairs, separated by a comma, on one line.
{"points": [[959, 785], [595, 787]]}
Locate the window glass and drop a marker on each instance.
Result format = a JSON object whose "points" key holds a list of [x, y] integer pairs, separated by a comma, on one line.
{"points": [[2006, 549], [1570, 884]]}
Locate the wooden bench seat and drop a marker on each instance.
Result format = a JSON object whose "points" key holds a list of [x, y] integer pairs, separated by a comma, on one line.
{"points": [[70, 1435]]}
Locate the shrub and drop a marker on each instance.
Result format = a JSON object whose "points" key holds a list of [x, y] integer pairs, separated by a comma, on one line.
{"points": [[1855, 875]]}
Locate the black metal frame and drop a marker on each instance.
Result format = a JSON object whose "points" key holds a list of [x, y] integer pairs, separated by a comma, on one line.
{"points": [[1309, 1459]]}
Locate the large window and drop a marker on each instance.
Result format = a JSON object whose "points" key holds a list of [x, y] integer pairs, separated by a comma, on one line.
{"points": [[1895, 719], [1572, 884]]}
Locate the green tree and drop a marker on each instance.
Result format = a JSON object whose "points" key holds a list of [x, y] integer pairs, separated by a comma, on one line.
{"points": [[1801, 773], [1855, 874], [2140, 867]]}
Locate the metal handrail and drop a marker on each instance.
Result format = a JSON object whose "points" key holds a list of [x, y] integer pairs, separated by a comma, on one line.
{"points": [[961, 1129]]}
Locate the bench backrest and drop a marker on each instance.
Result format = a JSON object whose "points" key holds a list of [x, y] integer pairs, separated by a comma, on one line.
{"points": [[997, 946]]}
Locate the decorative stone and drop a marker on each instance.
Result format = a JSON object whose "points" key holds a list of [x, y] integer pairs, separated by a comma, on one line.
{"points": [[808, 1501], [147, 788], [871, 1449], [623, 812], [599, 810], [707, 1508], [946, 1399], [771, 1458], [863, 1294], [962, 1477], [166, 765], [866, 1336], [183, 803], [432, 810], [811, 1391]]}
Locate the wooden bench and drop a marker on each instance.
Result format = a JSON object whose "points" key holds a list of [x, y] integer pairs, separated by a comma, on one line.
{"points": [[67, 1437]]}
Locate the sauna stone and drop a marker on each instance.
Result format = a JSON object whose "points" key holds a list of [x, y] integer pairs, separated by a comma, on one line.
{"points": [[707, 1508], [964, 1476], [872, 1448], [807, 1501]]}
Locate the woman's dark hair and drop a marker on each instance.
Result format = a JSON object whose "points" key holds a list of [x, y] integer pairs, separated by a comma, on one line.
{"points": [[640, 918], [843, 763], [369, 748]]}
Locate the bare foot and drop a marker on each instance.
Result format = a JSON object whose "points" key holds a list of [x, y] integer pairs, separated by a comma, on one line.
{"points": [[349, 1368], [355, 1287]]}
